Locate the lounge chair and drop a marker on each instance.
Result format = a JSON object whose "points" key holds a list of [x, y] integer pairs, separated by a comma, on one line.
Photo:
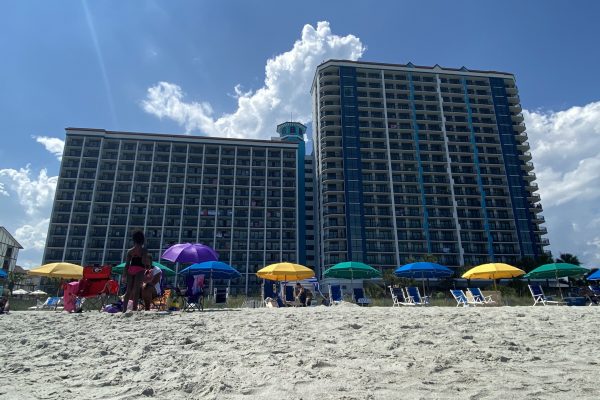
{"points": [[268, 292], [335, 295], [539, 297], [359, 297], [221, 295], [478, 296], [399, 297], [462, 300], [415, 297], [51, 303], [595, 290], [161, 302]]}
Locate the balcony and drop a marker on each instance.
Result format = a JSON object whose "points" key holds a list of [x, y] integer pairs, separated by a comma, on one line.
{"points": [[525, 156], [521, 137], [518, 117], [530, 176], [528, 166], [542, 230], [523, 146], [534, 197], [520, 127], [539, 219]]}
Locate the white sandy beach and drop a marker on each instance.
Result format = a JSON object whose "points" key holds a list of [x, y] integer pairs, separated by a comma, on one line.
{"points": [[304, 353]]}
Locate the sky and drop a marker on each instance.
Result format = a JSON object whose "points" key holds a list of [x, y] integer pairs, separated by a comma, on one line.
{"points": [[238, 68]]}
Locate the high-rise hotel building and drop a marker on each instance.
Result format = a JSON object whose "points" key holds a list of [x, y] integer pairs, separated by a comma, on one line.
{"points": [[245, 198], [416, 160]]}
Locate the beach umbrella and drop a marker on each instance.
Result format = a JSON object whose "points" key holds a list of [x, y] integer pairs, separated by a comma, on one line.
{"points": [[19, 292], [38, 293], [119, 269], [423, 270], [352, 270], [213, 269], [555, 271], [3, 274], [493, 271], [285, 271], [190, 253], [60, 270], [595, 276]]}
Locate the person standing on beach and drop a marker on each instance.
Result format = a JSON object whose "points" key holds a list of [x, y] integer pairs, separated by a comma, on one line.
{"points": [[137, 261]]}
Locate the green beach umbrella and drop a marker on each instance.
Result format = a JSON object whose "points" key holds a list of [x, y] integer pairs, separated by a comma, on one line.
{"points": [[118, 269], [555, 271], [352, 270]]}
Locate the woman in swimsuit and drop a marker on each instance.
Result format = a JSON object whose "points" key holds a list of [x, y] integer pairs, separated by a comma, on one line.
{"points": [[138, 260]]}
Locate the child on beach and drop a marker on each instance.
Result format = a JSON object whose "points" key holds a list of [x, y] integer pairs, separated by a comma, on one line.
{"points": [[138, 260]]}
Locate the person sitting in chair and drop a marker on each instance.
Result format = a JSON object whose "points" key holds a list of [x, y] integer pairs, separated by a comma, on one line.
{"points": [[300, 295], [151, 286]]}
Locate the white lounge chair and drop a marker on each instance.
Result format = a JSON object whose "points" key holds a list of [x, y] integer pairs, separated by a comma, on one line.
{"points": [[540, 297], [478, 296]]}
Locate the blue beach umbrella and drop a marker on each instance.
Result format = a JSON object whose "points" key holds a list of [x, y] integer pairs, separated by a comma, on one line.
{"points": [[595, 276], [423, 270], [213, 269]]}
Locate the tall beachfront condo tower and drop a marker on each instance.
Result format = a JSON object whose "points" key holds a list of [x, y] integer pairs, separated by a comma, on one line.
{"points": [[245, 198], [413, 160]]}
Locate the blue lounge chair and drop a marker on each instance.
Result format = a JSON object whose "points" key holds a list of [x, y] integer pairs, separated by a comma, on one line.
{"points": [[51, 303], [288, 295], [540, 297], [359, 297], [478, 296], [399, 297], [461, 298], [415, 296], [335, 295]]}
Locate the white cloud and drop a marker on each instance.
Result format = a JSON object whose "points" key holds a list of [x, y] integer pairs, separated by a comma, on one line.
{"points": [[53, 145], [565, 148], [34, 194], [286, 90], [33, 236], [3, 192]]}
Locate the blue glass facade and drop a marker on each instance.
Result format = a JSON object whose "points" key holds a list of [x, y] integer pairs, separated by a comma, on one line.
{"points": [[415, 126], [486, 221], [355, 219], [514, 172]]}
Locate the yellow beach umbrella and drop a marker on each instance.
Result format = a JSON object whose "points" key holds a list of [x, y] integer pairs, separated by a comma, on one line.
{"points": [[285, 271], [61, 270], [493, 271]]}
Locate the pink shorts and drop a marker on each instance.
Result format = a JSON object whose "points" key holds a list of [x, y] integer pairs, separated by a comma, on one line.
{"points": [[135, 269]]}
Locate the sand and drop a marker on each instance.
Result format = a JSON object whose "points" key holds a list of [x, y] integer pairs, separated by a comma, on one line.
{"points": [[304, 353]]}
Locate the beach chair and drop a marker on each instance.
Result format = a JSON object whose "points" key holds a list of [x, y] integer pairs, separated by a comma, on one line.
{"points": [[51, 303], [160, 303], [221, 295], [95, 286], [399, 297], [268, 291], [288, 296], [359, 297], [462, 299], [595, 290], [335, 295], [539, 297], [415, 297], [194, 294], [478, 296]]}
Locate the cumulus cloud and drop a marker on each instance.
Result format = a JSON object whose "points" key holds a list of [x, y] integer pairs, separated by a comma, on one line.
{"points": [[286, 87], [34, 193], [564, 147], [53, 145], [3, 192], [33, 236]]}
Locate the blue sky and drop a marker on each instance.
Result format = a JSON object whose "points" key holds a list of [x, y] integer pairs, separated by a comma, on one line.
{"points": [[92, 64]]}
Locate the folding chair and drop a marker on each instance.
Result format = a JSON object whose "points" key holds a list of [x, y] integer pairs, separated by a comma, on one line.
{"points": [[96, 285], [335, 295], [399, 298], [194, 294], [414, 296], [539, 297], [359, 297], [288, 295], [221, 295], [478, 296]]}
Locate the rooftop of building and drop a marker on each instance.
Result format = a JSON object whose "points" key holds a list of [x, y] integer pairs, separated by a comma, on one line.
{"points": [[436, 68], [11, 237], [166, 136]]}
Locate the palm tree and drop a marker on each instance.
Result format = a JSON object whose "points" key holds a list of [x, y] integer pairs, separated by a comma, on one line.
{"points": [[568, 258]]}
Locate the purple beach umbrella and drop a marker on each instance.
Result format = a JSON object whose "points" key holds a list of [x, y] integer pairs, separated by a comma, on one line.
{"points": [[190, 253]]}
